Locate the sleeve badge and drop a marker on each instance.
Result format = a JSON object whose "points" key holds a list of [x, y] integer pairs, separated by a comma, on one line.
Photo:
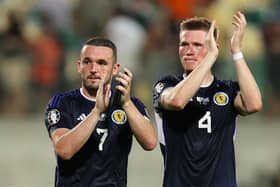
{"points": [[53, 116], [159, 87]]}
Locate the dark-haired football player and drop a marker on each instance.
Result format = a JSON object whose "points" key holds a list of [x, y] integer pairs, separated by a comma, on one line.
{"points": [[92, 137]]}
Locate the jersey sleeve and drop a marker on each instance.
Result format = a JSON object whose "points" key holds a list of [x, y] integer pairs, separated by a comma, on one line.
{"points": [[159, 87], [235, 86], [56, 114], [235, 90], [141, 107]]}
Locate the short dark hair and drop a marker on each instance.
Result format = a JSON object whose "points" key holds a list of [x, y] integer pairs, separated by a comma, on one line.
{"points": [[99, 41], [198, 23]]}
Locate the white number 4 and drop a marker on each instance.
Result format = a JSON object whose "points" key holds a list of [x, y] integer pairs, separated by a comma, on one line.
{"points": [[205, 122], [104, 133]]}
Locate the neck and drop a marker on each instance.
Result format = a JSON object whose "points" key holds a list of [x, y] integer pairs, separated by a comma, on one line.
{"points": [[88, 94]]}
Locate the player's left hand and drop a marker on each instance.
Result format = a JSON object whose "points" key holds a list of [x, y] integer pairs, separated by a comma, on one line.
{"points": [[125, 79], [239, 22]]}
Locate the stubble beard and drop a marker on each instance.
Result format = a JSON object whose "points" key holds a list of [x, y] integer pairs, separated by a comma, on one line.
{"points": [[92, 90]]}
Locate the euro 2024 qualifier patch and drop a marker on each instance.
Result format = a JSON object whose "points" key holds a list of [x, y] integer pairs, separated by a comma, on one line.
{"points": [[119, 117], [221, 98], [53, 116], [159, 87]]}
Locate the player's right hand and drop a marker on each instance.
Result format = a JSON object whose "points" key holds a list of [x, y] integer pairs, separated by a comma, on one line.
{"points": [[210, 42], [102, 96]]}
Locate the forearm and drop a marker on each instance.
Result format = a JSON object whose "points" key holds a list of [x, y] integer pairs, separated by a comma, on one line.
{"points": [[249, 99], [140, 126], [179, 96], [69, 142], [249, 90]]}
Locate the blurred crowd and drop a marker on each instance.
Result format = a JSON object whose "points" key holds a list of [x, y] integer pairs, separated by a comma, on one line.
{"points": [[41, 41]]}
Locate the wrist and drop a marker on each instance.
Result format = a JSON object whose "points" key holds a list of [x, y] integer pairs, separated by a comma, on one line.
{"points": [[235, 49], [210, 58], [237, 56], [101, 115], [127, 104]]}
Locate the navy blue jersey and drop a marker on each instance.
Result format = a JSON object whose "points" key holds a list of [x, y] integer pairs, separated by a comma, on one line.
{"points": [[102, 161], [197, 142]]}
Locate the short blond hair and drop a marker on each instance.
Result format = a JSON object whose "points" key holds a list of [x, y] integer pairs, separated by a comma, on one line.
{"points": [[198, 23]]}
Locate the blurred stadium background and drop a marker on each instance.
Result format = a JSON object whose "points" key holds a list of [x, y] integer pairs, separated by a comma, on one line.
{"points": [[40, 42]]}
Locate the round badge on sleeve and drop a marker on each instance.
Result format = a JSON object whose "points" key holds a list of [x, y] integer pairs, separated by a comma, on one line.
{"points": [[119, 117], [220, 98], [159, 87], [53, 116]]}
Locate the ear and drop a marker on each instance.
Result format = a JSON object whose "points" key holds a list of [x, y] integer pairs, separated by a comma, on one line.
{"points": [[218, 46], [78, 64], [116, 68]]}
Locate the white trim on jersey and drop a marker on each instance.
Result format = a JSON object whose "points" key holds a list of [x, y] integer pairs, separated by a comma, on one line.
{"points": [[82, 93], [235, 129], [159, 124]]}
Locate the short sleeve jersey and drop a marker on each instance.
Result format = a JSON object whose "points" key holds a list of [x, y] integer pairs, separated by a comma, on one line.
{"points": [[197, 142], [102, 161]]}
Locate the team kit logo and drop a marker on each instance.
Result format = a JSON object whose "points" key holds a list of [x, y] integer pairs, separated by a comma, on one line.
{"points": [[220, 98], [119, 117], [53, 116]]}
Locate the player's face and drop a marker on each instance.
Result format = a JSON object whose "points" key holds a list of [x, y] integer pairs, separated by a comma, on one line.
{"points": [[192, 48], [96, 62]]}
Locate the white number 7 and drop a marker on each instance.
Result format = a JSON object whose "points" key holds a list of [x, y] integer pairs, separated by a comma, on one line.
{"points": [[205, 122], [104, 133]]}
